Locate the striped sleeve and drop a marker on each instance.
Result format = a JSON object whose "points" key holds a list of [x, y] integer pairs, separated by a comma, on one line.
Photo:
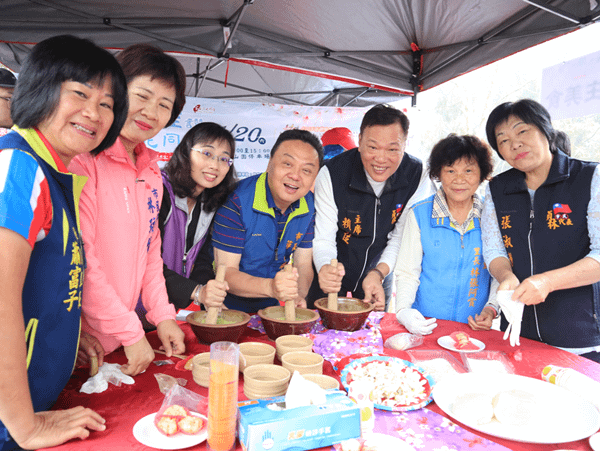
{"points": [[228, 231], [307, 239], [25, 205]]}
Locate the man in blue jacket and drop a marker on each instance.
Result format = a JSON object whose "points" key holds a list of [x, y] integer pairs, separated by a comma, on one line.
{"points": [[267, 222]]}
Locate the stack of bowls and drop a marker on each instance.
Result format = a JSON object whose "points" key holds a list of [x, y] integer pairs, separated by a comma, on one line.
{"points": [[201, 368], [254, 352], [303, 362], [292, 343], [265, 381]]}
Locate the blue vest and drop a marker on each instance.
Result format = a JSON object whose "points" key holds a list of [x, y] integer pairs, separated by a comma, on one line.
{"points": [[364, 220], [555, 232], [262, 256], [52, 289], [454, 281]]}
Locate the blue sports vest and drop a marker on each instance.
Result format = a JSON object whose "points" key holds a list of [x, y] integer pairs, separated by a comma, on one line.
{"points": [[555, 231], [52, 289], [262, 257], [454, 281]]}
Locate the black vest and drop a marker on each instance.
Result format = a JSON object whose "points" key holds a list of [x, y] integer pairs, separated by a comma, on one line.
{"points": [[555, 231], [364, 220]]}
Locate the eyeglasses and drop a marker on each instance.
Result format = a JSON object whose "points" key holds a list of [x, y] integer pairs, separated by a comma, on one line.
{"points": [[208, 155], [8, 99]]}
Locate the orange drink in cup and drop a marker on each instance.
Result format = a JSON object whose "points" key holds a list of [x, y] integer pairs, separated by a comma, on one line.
{"points": [[222, 395]]}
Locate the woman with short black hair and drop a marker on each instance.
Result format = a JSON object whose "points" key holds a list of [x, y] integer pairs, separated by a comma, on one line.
{"points": [[440, 271], [70, 99]]}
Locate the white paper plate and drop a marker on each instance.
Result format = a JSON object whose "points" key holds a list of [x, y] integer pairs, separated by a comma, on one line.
{"points": [[447, 342], [146, 433], [564, 416], [595, 441]]}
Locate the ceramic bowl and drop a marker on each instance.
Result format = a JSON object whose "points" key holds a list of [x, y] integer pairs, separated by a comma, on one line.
{"points": [[323, 381], [254, 353], [291, 343], [350, 315], [210, 333], [273, 319], [201, 368], [303, 362], [265, 380]]}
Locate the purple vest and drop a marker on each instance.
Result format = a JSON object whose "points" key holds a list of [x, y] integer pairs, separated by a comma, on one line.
{"points": [[174, 254]]}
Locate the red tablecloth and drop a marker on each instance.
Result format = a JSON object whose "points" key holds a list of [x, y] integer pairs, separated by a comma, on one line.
{"points": [[123, 406]]}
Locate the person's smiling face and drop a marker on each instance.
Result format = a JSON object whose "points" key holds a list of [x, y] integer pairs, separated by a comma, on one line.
{"points": [[150, 105], [210, 163], [292, 171], [460, 180], [522, 145], [82, 118], [381, 150]]}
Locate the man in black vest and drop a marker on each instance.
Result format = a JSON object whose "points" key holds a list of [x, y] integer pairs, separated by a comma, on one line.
{"points": [[359, 197]]}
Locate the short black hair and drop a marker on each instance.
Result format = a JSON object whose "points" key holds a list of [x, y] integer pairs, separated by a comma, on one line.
{"points": [[384, 115], [300, 135], [453, 148], [179, 167], [530, 112], [56, 60], [144, 59]]}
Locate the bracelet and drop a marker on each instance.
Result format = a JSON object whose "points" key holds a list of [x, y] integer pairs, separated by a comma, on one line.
{"points": [[380, 273], [196, 295]]}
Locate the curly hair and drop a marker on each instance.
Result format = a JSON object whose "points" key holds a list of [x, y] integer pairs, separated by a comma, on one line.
{"points": [[453, 148], [179, 167]]}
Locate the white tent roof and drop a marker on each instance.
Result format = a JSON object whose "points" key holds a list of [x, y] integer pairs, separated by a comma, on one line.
{"points": [[314, 52]]}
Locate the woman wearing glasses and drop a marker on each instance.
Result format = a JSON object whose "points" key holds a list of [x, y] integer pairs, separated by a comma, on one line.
{"points": [[119, 217], [197, 180]]}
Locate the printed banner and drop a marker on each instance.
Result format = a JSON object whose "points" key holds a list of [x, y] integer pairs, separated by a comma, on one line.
{"points": [[572, 88], [255, 127]]}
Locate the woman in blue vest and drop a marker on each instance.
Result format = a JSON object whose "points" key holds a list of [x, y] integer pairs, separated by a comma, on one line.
{"points": [[70, 99], [541, 229], [197, 180], [440, 271]]}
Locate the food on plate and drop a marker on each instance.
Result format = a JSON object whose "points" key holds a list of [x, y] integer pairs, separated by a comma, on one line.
{"points": [[176, 411], [394, 384], [167, 425], [190, 425], [176, 418], [515, 407], [437, 368], [463, 342], [474, 408]]}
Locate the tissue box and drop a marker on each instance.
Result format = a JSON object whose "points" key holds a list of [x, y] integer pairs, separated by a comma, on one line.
{"points": [[264, 426]]}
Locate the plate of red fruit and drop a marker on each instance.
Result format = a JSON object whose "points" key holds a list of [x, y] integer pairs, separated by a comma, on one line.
{"points": [[173, 428], [461, 342]]}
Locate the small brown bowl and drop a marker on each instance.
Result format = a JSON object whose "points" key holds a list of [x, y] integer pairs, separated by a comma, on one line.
{"points": [[201, 368], [210, 333], [273, 319], [264, 381], [303, 362], [291, 343], [350, 315], [254, 352], [323, 381]]}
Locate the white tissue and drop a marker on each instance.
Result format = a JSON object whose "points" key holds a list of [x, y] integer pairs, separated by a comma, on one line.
{"points": [[301, 392], [108, 372]]}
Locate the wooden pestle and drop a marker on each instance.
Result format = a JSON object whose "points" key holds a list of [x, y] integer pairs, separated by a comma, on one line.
{"points": [[213, 312], [332, 298], [290, 308]]}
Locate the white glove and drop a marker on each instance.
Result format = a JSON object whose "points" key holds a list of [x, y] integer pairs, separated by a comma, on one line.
{"points": [[108, 372], [513, 311], [415, 322]]}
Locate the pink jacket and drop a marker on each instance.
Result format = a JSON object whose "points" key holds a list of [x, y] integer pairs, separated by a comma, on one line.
{"points": [[119, 222]]}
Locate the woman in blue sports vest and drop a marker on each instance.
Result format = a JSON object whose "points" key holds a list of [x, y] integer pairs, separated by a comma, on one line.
{"points": [[440, 271], [70, 99], [541, 229]]}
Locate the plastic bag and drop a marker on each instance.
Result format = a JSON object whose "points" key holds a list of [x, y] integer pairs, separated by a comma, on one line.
{"points": [[403, 341], [185, 398], [166, 382]]}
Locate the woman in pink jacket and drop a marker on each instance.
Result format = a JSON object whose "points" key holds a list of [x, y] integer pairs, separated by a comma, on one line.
{"points": [[119, 216]]}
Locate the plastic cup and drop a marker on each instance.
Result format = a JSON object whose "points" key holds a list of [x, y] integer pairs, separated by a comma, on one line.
{"points": [[222, 396]]}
